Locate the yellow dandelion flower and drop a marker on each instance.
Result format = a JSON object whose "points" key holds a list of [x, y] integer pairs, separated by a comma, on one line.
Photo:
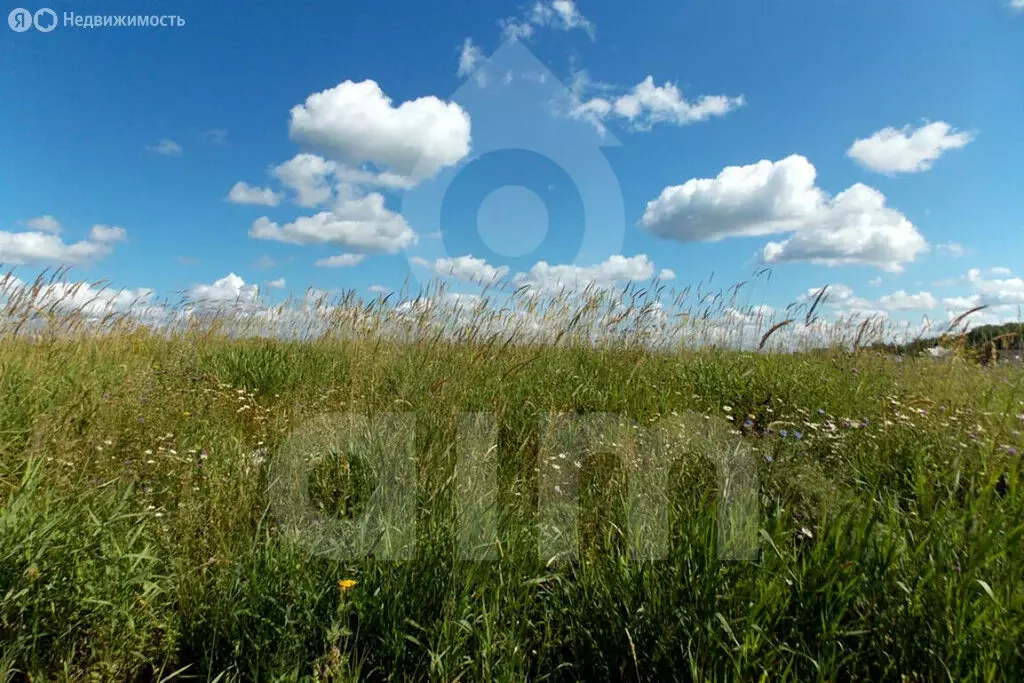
{"points": [[347, 584]]}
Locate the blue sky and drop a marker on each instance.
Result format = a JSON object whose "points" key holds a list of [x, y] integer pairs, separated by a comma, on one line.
{"points": [[875, 146]]}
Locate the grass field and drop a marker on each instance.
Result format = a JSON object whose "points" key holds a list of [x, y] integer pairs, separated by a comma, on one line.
{"points": [[141, 535]]}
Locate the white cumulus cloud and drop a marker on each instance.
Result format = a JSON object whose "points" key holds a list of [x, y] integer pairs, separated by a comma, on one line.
{"points": [[997, 291], [559, 15], [469, 57], [244, 193], [759, 199], [45, 223], [104, 234], [359, 223], [995, 288], [314, 178], [902, 301], [854, 227], [356, 123], [22, 248], [515, 29], [961, 303], [466, 268], [562, 15], [341, 261], [907, 150], [843, 302], [647, 104], [308, 176], [229, 289], [616, 269]]}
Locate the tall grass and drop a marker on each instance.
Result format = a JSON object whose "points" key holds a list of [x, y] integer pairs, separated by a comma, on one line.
{"points": [[141, 536]]}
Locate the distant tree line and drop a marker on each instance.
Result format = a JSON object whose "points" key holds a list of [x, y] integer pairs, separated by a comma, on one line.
{"points": [[982, 343]]}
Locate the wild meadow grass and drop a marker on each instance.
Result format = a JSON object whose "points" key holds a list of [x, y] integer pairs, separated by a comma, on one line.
{"points": [[140, 537]]}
